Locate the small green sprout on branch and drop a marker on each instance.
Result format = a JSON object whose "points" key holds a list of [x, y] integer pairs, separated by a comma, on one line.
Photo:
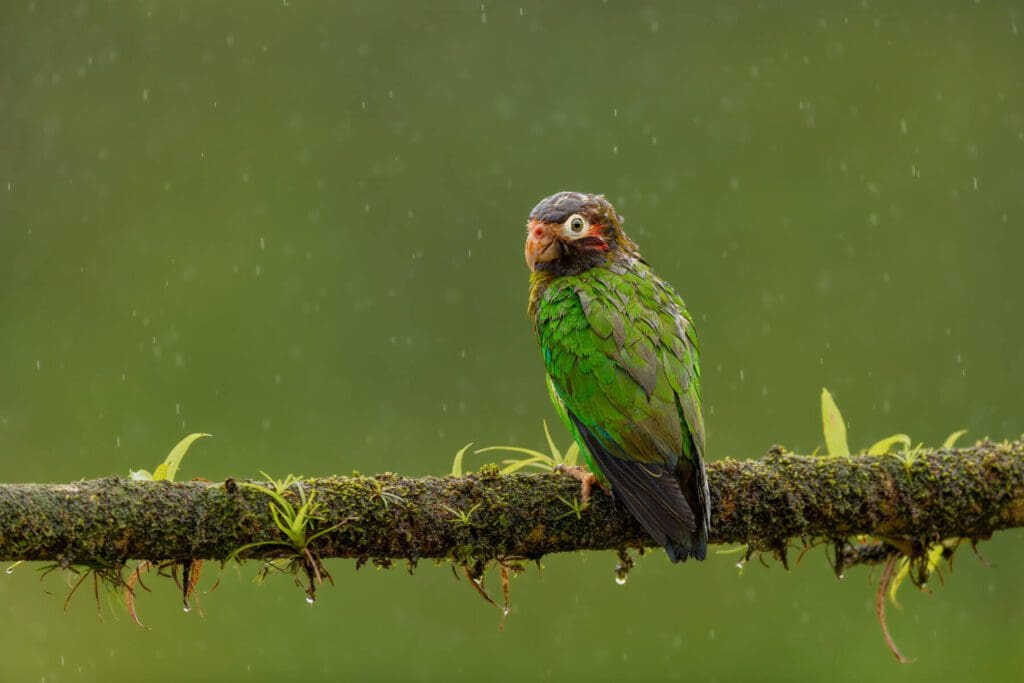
{"points": [[546, 462], [296, 523], [462, 517], [168, 469]]}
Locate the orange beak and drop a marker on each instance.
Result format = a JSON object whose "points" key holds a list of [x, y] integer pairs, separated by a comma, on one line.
{"points": [[541, 244]]}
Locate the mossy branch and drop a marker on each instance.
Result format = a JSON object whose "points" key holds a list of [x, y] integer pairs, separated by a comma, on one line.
{"points": [[766, 503]]}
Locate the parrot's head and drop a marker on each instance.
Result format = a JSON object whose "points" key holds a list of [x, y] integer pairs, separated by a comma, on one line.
{"points": [[570, 232]]}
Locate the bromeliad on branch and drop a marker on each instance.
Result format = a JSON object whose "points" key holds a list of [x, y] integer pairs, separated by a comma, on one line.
{"points": [[621, 356]]}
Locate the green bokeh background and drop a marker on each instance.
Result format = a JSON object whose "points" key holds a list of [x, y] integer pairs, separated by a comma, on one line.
{"points": [[299, 226]]}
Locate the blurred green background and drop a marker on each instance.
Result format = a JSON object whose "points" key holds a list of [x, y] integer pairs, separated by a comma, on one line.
{"points": [[299, 226]]}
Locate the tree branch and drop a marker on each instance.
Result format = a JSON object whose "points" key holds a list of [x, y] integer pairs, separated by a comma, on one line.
{"points": [[767, 503]]}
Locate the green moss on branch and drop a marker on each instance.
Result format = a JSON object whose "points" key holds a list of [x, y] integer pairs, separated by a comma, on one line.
{"points": [[969, 492]]}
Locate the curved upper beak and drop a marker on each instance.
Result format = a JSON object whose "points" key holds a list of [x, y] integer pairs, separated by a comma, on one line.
{"points": [[541, 244]]}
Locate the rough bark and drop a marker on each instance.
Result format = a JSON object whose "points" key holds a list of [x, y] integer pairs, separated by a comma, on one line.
{"points": [[766, 503]]}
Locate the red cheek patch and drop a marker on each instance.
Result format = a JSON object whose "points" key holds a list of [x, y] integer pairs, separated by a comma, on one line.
{"points": [[597, 232]]}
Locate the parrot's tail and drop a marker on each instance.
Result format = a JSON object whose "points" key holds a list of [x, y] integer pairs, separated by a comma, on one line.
{"points": [[693, 545], [694, 483]]}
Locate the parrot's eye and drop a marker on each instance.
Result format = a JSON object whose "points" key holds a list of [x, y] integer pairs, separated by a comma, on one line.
{"points": [[575, 224]]}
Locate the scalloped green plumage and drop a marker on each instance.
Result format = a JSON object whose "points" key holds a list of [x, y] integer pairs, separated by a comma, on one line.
{"points": [[622, 369]]}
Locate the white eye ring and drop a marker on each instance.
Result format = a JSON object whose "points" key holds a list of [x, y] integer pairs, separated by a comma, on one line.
{"points": [[575, 225]]}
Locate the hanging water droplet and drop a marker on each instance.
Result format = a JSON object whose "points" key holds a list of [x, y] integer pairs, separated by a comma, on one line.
{"points": [[10, 570], [739, 565], [505, 611], [310, 599], [622, 568], [842, 576], [186, 609]]}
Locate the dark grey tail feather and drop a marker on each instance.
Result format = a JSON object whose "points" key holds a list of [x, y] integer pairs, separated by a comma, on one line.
{"points": [[662, 498], [694, 545], [694, 483]]}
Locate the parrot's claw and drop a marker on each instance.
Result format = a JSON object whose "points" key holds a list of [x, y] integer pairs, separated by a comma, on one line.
{"points": [[586, 479]]}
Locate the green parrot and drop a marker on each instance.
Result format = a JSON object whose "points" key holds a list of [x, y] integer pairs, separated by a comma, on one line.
{"points": [[620, 351]]}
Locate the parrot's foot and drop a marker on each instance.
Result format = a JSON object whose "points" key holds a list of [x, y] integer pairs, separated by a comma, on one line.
{"points": [[586, 479]]}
